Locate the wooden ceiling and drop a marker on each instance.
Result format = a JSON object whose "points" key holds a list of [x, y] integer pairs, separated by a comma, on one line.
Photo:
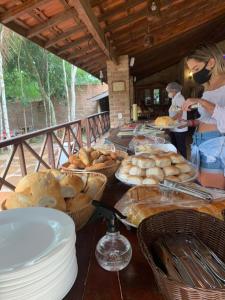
{"points": [[88, 32]]}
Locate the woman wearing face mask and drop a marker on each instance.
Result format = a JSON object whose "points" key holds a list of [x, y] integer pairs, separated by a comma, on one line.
{"points": [[177, 135], [208, 67]]}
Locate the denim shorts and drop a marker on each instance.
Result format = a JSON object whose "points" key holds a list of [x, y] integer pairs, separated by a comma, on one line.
{"points": [[205, 166]]}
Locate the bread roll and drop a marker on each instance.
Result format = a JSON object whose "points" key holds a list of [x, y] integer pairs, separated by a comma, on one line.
{"points": [[171, 170], [184, 176], [136, 171], [95, 154], [172, 178], [145, 163], [17, 200], [134, 179], [76, 162], [70, 185], [46, 192], [24, 185], [150, 180], [97, 167], [184, 168], [126, 168], [94, 184], [164, 121], [77, 203], [176, 158], [84, 156], [134, 160], [156, 171], [162, 162]]}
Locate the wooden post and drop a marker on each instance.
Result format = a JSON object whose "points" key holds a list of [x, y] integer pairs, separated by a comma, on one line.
{"points": [[22, 160], [88, 133], [51, 155]]}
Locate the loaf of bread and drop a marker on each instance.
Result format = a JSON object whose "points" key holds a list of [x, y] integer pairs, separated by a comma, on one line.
{"points": [[24, 185], [94, 184], [164, 121]]}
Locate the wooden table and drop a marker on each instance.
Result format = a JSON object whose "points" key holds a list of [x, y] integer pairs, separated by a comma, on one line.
{"points": [[135, 282]]}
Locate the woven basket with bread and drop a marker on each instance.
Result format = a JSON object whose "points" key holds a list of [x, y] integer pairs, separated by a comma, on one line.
{"points": [[70, 193], [95, 160]]}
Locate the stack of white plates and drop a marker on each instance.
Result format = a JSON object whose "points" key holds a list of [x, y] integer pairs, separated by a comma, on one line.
{"points": [[37, 254]]}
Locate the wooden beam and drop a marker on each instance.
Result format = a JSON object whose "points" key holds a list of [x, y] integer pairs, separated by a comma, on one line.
{"points": [[85, 52], [18, 10], [118, 9], [63, 35], [86, 14], [60, 17], [73, 44], [175, 30]]}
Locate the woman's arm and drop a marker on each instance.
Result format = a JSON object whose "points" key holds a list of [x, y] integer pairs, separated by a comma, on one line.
{"points": [[204, 103]]}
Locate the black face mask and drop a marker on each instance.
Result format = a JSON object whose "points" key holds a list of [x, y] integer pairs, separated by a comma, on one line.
{"points": [[202, 76]]}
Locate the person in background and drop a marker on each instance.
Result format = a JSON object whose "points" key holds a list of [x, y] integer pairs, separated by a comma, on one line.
{"points": [[208, 67], [177, 135]]}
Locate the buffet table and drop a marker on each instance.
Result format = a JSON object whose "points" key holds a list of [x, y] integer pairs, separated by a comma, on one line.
{"points": [[93, 283]]}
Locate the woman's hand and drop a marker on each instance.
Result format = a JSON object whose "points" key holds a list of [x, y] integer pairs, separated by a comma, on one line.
{"points": [[189, 102]]}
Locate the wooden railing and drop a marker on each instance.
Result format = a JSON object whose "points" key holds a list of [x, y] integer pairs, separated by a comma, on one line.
{"points": [[44, 148]]}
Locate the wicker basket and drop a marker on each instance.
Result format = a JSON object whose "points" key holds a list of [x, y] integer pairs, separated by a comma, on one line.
{"points": [[82, 216], [209, 229], [108, 171]]}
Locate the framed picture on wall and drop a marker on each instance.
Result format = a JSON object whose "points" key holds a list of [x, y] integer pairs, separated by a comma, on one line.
{"points": [[118, 86]]}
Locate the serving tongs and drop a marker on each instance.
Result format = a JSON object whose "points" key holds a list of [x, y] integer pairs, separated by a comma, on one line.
{"points": [[182, 188]]}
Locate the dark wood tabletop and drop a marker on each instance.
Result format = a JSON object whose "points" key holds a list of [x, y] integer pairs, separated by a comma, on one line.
{"points": [[121, 142], [135, 282]]}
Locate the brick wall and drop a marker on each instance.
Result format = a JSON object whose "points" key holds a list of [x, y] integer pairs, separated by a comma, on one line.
{"points": [[84, 108], [119, 102]]}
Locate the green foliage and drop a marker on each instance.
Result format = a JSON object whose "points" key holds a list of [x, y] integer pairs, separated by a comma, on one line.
{"points": [[13, 90], [49, 68]]}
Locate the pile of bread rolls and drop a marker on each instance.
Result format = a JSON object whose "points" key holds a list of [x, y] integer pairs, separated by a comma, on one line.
{"points": [[154, 168], [164, 121], [53, 189], [92, 160]]}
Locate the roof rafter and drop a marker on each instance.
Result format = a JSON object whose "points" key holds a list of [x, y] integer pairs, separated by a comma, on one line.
{"points": [[60, 17], [63, 35], [85, 13], [74, 43], [17, 11]]}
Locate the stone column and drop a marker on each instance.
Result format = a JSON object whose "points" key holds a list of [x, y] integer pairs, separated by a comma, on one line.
{"points": [[119, 101]]}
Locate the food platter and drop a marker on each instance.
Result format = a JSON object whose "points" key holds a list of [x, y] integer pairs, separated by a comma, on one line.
{"points": [[177, 124], [125, 181]]}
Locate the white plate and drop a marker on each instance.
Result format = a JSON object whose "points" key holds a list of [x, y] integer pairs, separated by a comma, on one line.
{"points": [[54, 290], [35, 287], [176, 125], [31, 278], [29, 236]]}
